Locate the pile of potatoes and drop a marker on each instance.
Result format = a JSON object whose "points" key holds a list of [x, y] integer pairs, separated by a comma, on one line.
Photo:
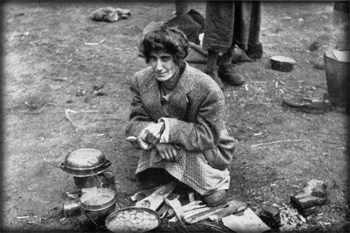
{"points": [[132, 220]]}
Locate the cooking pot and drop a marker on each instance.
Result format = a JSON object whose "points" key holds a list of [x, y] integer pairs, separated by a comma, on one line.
{"points": [[98, 203], [85, 162]]}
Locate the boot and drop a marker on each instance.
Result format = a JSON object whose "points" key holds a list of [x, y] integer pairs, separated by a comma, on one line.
{"points": [[227, 73], [216, 78], [255, 51]]}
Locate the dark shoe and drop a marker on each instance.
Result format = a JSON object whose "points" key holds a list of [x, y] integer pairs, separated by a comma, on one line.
{"points": [[240, 56], [255, 51], [228, 74], [216, 78], [216, 198]]}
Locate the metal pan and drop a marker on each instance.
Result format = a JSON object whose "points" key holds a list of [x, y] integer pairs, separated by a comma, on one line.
{"points": [[85, 162], [132, 219]]}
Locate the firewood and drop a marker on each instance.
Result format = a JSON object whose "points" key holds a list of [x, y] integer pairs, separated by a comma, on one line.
{"points": [[176, 206], [154, 200], [233, 208], [205, 214], [163, 211], [190, 213], [215, 210], [186, 209]]}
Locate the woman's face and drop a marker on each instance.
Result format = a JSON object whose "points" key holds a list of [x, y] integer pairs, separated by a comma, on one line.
{"points": [[163, 65]]}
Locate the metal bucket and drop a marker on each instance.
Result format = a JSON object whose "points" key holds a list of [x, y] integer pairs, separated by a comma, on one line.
{"points": [[337, 75]]}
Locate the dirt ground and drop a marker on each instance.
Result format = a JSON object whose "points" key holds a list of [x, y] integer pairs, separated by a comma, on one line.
{"points": [[54, 56]]}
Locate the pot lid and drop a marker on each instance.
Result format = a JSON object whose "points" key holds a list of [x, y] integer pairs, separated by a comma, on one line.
{"points": [[85, 162], [85, 158]]}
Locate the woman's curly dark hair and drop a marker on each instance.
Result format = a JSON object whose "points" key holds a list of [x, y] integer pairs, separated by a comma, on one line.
{"points": [[168, 39]]}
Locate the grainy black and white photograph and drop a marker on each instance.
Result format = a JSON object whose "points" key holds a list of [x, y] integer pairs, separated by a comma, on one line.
{"points": [[175, 116]]}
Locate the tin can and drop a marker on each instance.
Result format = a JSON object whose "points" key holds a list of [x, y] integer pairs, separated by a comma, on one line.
{"points": [[110, 179], [71, 209]]}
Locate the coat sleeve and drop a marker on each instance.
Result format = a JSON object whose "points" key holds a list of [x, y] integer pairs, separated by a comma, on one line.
{"points": [[204, 133], [138, 118]]}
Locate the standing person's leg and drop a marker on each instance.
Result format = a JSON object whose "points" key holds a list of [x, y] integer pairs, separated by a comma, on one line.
{"points": [[255, 49], [181, 7], [218, 38], [340, 33], [340, 22], [211, 67], [226, 70]]}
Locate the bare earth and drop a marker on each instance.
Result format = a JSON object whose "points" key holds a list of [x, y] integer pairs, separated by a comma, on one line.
{"points": [[53, 57]]}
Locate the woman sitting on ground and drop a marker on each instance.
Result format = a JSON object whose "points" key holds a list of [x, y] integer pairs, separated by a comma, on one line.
{"points": [[177, 116]]}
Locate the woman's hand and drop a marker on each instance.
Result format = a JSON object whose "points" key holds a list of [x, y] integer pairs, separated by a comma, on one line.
{"points": [[138, 143], [167, 152], [152, 133]]}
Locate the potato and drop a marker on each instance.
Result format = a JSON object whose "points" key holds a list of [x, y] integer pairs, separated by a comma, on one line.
{"points": [[134, 220]]}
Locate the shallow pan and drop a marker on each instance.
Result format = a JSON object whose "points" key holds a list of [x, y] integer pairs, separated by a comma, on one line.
{"points": [[132, 219]]}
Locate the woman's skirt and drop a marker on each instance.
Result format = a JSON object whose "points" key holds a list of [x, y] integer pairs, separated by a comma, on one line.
{"points": [[192, 169]]}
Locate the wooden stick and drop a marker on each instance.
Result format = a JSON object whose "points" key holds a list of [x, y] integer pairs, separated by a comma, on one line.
{"points": [[45, 107], [217, 228], [70, 120], [275, 142], [39, 110], [188, 208], [205, 214], [189, 214], [176, 206]]}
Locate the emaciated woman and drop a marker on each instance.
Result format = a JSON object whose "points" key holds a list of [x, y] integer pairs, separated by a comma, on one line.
{"points": [[177, 118]]}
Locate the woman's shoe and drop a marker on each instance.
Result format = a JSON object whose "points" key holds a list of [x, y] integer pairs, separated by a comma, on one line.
{"points": [[216, 198]]}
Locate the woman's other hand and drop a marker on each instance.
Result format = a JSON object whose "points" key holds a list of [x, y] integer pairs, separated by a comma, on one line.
{"points": [[152, 133], [167, 152]]}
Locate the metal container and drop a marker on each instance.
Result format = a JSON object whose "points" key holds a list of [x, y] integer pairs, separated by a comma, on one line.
{"points": [[337, 77], [71, 209], [130, 219], [110, 180], [85, 162], [282, 63], [98, 204], [104, 180]]}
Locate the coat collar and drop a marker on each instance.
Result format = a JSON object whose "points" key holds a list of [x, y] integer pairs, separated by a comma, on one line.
{"points": [[177, 100]]}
